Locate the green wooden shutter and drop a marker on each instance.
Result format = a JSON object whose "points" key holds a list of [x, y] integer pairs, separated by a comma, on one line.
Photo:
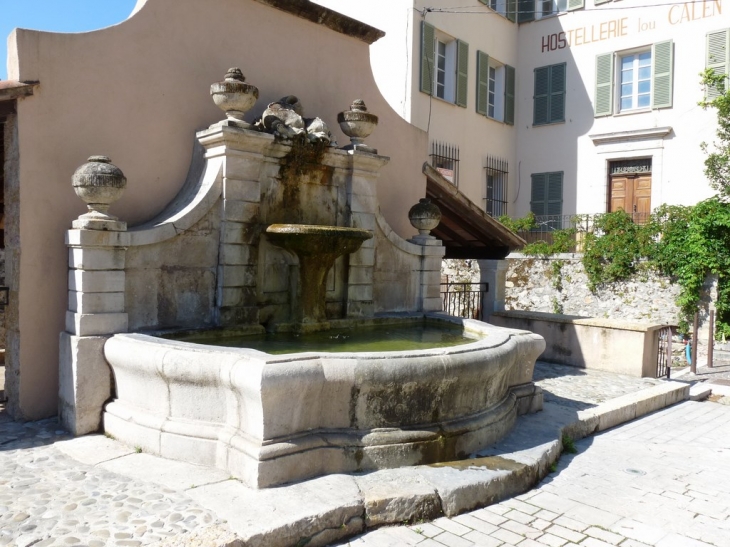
{"points": [[541, 97], [554, 195], [538, 194], [428, 48], [482, 82], [557, 93], [661, 85], [512, 10], [526, 11], [462, 72], [509, 95], [600, 1], [576, 4], [604, 85], [717, 58]]}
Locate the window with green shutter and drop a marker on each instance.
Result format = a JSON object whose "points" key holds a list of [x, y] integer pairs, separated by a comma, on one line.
{"points": [[546, 197], [549, 96], [512, 10], [717, 58], [525, 11], [506, 8], [604, 85], [482, 82], [462, 72], [634, 80], [444, 66], [428, 49], [509, 95], [662, 65], [495, 97], [576, 4]]}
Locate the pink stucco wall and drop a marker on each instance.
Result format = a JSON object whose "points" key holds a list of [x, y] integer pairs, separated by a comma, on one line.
{"points": [[137, 92]]}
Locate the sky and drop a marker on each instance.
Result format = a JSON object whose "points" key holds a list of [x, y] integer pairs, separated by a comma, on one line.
{"points": [[58, 16]]}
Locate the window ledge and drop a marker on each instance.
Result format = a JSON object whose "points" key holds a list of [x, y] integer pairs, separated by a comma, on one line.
{"points": [[493, 119], [442, 100], [548, 123], [633, 111], [634, 135]]}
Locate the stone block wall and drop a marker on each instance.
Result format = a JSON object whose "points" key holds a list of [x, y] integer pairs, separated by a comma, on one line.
{"points": [[559, 284]]}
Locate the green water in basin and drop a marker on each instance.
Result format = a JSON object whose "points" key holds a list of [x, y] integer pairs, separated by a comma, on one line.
{"points": [[359, 339]]}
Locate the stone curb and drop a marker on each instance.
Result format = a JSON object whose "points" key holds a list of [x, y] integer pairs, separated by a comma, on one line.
{"points": [[396, 496], [332, 508]]}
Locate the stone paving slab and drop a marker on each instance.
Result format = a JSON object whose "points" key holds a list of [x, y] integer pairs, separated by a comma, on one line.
{"points": [[94, 491], [638, 485]]}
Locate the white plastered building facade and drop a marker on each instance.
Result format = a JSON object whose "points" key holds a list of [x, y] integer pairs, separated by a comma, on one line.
{"points": [[580, 106]]}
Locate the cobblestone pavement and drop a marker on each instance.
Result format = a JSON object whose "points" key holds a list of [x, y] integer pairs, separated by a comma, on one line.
{"points": [[662, 481], [581, 388], [48, 498]]}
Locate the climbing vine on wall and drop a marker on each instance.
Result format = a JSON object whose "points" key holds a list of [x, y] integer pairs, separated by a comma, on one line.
{"points": [[686, 243], [695, 242]]}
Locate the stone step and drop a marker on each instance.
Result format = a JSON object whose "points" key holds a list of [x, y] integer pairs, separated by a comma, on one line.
{"points": [[699, 392], [331, 508]]}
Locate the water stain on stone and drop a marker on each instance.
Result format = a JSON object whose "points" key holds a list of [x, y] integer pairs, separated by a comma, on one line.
{"points": [[493, 463]]}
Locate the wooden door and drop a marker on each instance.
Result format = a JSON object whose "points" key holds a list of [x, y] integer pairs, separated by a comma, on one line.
{"points": [[631, 193]]}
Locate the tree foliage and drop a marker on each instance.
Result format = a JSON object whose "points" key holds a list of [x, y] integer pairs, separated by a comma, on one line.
{"points": [[717, 163]]}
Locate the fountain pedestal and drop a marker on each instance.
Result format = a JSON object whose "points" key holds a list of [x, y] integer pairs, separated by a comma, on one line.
{"points": [[317, 248]]}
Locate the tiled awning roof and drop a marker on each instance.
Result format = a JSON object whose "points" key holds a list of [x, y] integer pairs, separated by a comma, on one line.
{"points": [[466, 230]]}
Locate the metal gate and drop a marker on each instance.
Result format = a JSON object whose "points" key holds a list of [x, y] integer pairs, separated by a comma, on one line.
{"points": [[464, 299], [664, 352]]}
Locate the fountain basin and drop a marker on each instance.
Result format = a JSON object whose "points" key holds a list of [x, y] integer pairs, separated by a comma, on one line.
{"points": [[272, 419]]}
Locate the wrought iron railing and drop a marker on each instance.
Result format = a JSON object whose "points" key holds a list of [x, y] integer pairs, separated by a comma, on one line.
{"points": [[464, 299], [445, 159], [495, 200], [664, 352]]}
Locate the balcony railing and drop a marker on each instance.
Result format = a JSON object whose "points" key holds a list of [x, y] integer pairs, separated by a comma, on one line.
{"points": [[546, 225]]}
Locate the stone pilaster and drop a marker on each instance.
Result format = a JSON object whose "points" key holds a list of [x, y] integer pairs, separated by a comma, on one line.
{"points": [[96, 288], [361, 195], [244, 167], [432, 253], [493, 272], [96, 310]]}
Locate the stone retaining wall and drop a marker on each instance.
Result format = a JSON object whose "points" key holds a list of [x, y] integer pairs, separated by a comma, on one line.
{"points": [[559, 284]]}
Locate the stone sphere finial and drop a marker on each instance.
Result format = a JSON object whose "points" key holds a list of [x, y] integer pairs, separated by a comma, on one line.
{"points": [[99, 183], [358, 105], [424, 216], [235, 73], [357, 123], [234, 96]]}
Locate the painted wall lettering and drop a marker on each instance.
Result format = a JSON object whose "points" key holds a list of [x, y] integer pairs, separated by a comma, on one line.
{"points": [[691, 11], [677, 14], [586, 35]]}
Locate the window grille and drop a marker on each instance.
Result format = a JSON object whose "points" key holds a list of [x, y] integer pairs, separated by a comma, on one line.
{"points": [[495, 201], [445, 159]]}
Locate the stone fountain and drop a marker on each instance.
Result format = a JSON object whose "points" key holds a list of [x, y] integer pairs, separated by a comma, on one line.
{"points": [[317, 248], [278, 230]]}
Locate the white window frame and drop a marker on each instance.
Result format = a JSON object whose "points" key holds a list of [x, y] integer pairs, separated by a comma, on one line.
{"points": [[448, 93], [619, 56], [495, 96]]}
